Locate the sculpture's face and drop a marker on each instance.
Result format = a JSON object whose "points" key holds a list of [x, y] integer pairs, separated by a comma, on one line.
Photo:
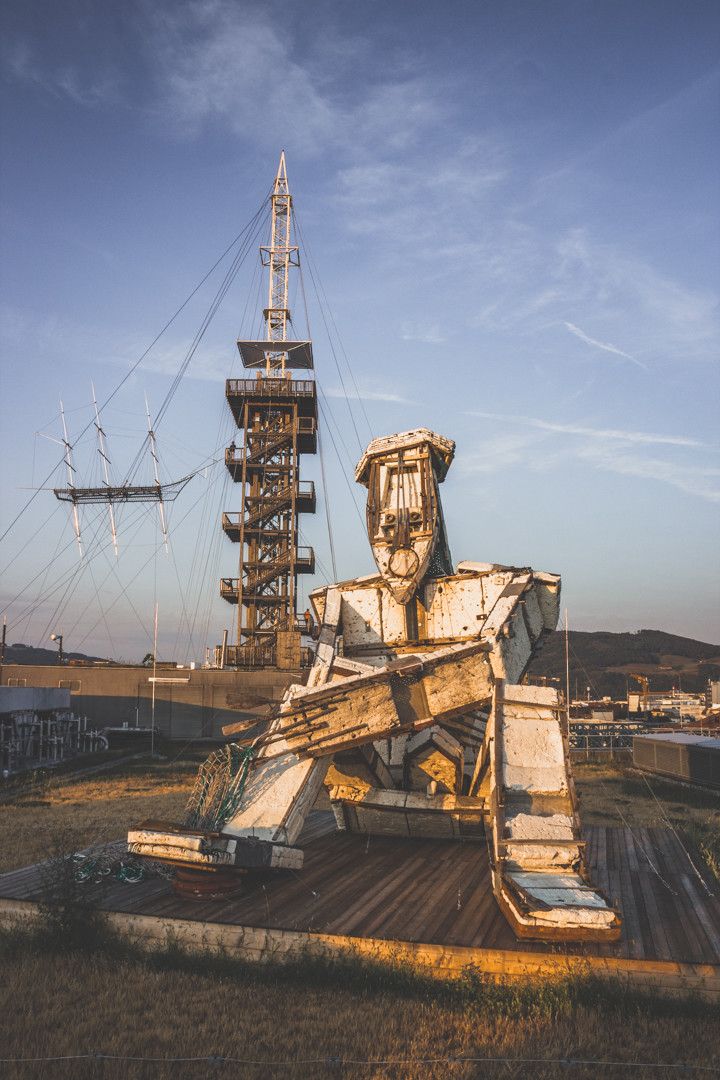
{"points": [[404, 515]]}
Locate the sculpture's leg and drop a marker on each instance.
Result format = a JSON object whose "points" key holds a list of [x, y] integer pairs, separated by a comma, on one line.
{"points": [[283, 787], [539, 875], [279, 795]]}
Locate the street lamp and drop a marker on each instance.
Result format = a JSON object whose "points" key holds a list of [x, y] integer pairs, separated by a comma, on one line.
{"points": [[59, 639]]}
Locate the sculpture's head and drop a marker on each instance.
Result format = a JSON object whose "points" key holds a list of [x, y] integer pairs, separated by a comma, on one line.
{"points": [[404, 514]]}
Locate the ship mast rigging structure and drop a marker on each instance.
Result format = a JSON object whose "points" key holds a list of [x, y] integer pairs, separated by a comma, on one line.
{"points": [[276, 417], [112, 494]]}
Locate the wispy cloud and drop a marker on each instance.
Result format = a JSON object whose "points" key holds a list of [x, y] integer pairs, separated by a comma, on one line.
{"points": [[62, 342], [607, 449], [210, 61], [700, 480], [22, 64], [427, 333], [496, 452], [646, 122], [604, 345], [605, 434], [368, 395]]}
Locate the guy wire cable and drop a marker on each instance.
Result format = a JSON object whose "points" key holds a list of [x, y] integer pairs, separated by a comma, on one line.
{"points": [[137, 363]]}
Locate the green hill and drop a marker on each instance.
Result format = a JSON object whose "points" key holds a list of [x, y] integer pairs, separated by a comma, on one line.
{"points": [[603, 661], [29, 654]]}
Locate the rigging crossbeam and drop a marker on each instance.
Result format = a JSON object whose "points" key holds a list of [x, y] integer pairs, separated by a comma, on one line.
{"points": [[125, 493]]}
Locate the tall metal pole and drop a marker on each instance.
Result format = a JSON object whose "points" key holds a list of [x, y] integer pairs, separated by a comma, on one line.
{"points": [[567, 665], [156, 471], [152, 710], [70, 475], [102, 451]]}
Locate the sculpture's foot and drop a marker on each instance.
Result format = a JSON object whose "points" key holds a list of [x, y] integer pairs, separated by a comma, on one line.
{"points": [[208, 883]]}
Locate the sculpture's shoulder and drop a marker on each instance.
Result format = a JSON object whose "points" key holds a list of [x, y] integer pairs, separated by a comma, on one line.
{"points": [[454, 607]]}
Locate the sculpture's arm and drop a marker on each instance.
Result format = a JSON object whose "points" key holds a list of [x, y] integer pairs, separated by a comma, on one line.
{"points": [[405, 695]]}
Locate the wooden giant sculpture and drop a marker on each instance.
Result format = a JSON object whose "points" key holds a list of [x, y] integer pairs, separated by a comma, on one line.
{"points": [[414, 718]]}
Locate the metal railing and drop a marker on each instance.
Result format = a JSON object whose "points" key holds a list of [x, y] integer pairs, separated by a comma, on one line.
{"points": [[270, 388], [253, 656]]}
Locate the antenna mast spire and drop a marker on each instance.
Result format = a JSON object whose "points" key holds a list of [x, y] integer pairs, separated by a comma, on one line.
{"points": [[279, 256]]}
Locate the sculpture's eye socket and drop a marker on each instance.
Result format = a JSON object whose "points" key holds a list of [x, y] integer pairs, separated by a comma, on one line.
{"points": [[416, 518], [388, 518]]}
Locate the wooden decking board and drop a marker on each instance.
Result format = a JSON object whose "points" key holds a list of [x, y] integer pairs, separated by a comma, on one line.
{"points": [[406, 890], [648, 944], [386, 870], [384, 906], [422, 920], [331, 899], [687, 933], [661, 895], [358, 882], [465, 885], [696, 896], [378, 917], [432, 891], [300, 895], [702, 890], [473, 914], [599, 865], [498, 933], [636, 926], [360, 888], [318, 824], [425, 896], [631, 850], [615, 889]]}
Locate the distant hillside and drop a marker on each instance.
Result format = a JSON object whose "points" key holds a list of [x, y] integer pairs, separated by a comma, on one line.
{"points": [[28, 654], [602, 660]]}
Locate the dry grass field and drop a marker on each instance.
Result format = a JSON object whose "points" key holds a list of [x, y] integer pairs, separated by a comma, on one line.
{"points": [[97, 809], [59, 998], [297, 1024]]}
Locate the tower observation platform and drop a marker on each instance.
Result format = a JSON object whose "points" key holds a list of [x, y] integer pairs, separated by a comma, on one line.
{"points": [[276, 417]]}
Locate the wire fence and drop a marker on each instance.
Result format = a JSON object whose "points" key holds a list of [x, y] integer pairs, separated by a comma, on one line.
{"points": [[336, 1064]]}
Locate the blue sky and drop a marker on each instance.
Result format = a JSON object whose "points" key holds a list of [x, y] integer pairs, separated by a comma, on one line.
{"points": [[512, 210]]}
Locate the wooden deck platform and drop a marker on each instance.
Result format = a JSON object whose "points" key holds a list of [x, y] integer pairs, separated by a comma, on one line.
{"points": [[431, 902]]}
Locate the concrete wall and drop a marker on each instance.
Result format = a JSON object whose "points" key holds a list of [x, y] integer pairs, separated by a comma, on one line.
{"points": [[44, 698], [189, 704]]}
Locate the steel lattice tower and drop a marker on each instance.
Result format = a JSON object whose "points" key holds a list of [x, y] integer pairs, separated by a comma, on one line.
{"points": [[277, 418]]}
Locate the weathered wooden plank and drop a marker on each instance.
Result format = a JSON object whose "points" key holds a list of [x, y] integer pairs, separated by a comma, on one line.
{"points": [[392, 921], [632, 929], [443, 906], [686, 923], [383, 898]]}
